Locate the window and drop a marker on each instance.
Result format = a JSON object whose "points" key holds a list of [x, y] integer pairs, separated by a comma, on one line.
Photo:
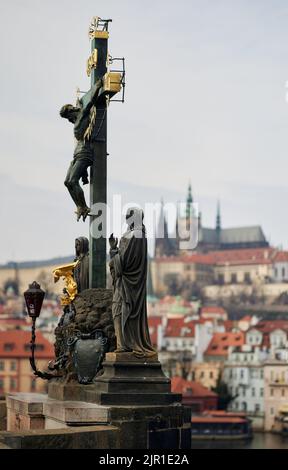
{"points": [[261, 374], [33, 385], [211, 375], [221, 279], [1, 365], [234, 278], [283, 272], [9, 346], [247, 278], [272, 411], [244, 392], [261, 392], [242, 374], [272, 392], [13, 365], [257, 407], [283, 392], [1, 384], [202, 375], [253, 392], [13, 384]]}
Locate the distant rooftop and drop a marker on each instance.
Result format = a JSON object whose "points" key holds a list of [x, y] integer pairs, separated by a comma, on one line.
{"points": [[36, 264]]}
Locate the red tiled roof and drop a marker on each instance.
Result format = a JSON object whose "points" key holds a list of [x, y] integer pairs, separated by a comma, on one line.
{"points": [[229, 324], [191, 388], [248, 256], [178, 327], [153, 323], [232, 257], [271, 325], [210, 309], [221, 342], [19, 341], [281, 256], [13, 321]]}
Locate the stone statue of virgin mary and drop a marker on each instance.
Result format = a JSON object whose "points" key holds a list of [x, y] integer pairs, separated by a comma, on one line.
{"points": [[128, 267]]}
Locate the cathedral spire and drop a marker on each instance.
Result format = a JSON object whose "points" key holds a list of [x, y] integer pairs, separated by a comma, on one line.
{"points": [[189, 202], [162, 241], [218, 217]]}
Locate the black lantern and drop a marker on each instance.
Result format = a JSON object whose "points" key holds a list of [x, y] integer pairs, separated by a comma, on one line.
{"points": [[34, 297]]}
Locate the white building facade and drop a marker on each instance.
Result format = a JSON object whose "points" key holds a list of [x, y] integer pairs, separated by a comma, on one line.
{"points": [[244, 374]]}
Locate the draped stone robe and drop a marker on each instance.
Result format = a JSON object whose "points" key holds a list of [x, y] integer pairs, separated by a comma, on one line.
{"points": [[128, 268], [81, 272]]}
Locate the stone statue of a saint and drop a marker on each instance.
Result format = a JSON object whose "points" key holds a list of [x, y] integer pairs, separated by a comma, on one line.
{"points": [[81, 116], [128, 267], [81, 271]]}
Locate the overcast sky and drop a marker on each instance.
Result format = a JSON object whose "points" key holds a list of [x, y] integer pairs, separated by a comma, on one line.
{"points": [[206, 101]]}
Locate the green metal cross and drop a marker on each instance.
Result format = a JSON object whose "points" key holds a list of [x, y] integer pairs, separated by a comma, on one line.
{"points": [[97, 68]]}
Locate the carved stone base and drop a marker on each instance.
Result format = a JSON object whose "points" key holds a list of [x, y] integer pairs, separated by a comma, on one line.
{"points": [[126, 380], [125, 373], [92, 311]]}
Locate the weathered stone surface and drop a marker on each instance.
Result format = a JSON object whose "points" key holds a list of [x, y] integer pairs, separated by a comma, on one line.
{"points": [[3, 415], [125, 399], [138, 426], [129, 375], [25, 411], [91, 437], [71, 412], [93, 310], [129, 357]]}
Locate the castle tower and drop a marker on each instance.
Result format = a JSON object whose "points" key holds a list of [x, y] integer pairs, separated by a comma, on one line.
{"points": [[218, 223]]}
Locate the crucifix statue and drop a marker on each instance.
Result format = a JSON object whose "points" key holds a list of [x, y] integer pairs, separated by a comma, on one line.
{"points": [[80, 116], [89, 117]]}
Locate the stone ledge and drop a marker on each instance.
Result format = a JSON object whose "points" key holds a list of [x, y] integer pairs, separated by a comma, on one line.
{"points": [[26, 403], [89, 437], [130, 399], [72, 412], [129, 357]]}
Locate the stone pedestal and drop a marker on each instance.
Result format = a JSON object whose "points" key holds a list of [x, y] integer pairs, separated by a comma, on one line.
{"points": [[25, 411], [126, 380], [132, 395]]}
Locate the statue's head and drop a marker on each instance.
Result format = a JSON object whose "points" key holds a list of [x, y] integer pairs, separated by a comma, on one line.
{"points": [[81, 246], [134, 218], [70, 112]]}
